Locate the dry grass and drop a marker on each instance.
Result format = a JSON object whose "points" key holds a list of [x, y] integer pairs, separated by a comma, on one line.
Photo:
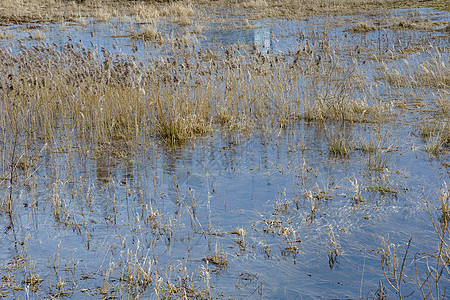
{"points": [[335, 90], [219, 259], [339, 143], [105, 97], [437, 135], [362, 27], [433, 72], [255, 4], [148, 33], [436, 129], [55, 10], [145, 13], [178, 9], [334, 248]]}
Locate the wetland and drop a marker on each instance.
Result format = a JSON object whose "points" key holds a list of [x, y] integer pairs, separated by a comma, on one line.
{"points": [[224, 150]]}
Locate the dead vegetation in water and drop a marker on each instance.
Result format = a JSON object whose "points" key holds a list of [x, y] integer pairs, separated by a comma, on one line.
{"points": [[335, 91], [147, 33], [425, 271], [436, 133], [362, 27], [432, 72], [435, 128], [411, 22], [339, 143], [218, 259], [107, 97]]}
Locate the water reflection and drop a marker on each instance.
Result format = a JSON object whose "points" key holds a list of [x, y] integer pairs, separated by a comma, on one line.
{"points": [[276, 36], [262, 36], [258, 34]]}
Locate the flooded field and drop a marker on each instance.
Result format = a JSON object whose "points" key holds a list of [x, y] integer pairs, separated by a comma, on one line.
{"points": [[226, 155]]}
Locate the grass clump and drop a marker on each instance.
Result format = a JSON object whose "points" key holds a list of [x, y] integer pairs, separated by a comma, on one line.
{"points": [[335, 91], [436, 130], [145, 12], [433, 72], [177, 129], [219, 259], [377, 161], [178, 9], [437, 135], [367, 145], [362, 27], [339, 144], [148, 33], [335, 248]]}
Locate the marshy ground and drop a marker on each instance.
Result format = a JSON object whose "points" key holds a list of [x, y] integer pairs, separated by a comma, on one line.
{"points": [[195, 149]]}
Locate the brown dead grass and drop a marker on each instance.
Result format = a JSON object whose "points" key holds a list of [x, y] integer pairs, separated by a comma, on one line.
{"points": [[56, 10]]}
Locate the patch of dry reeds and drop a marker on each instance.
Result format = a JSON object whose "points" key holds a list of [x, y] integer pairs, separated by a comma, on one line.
{"points": [[432, 72], [104, 10], [106, 97]]}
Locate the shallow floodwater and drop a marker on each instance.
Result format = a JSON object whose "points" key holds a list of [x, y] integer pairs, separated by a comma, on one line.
{"points": [[200, 195], [273, 35], [276, 205]]}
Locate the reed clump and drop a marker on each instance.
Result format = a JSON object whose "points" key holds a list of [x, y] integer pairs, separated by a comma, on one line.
{"points": [[339, 144], [107, 97], [362, 27], [432, 72], [148, 33], [333, 90], [436, 129]]}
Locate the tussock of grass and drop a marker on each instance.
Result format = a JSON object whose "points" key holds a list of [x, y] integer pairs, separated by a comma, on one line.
{"points": [[219, 259], [443, 104], [384, 185], [437, 135], [377, 161], [436, 129], [367, 145], [148, 33], [362, 27], [339, 144], [145, 12]]}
